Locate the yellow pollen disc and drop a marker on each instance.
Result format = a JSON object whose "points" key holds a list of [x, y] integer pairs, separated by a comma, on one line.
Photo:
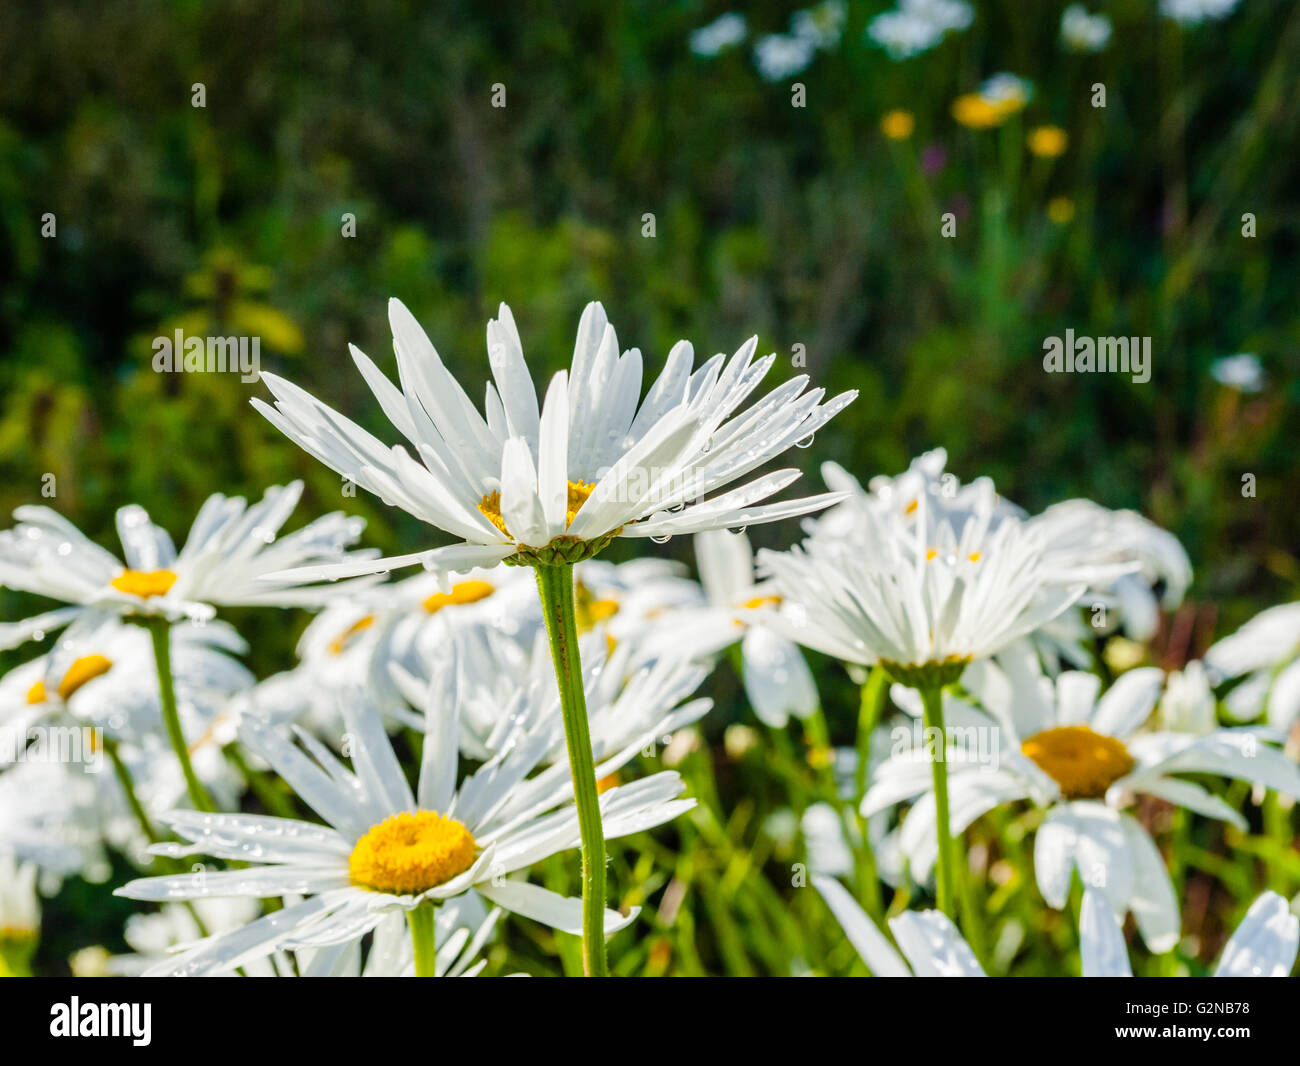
{"points": [[409, 853], [36, 694], [974, 557], [910, 509], [461, 592], [762, 601], [931, 554], [606, 783], [341, 641], [590, 611], [144, 583], [87, 668], [490, 505], [1082, 762]]}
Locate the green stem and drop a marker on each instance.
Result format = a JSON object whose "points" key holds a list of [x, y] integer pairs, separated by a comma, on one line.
{"points": [[932, 698], [424, 938], [555, 586], [870, 704], [160, 631]]}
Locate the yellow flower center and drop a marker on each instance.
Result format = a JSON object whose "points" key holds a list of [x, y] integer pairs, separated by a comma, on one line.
{"points": [[490, 505], [144, 583], [977, 113], [339, 643], [755, 602], [87, 668], [1085, 764], [590, 611], [409, 853], [461, 592]]}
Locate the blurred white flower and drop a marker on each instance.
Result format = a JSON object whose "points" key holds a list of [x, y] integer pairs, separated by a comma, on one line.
{"points": [[1194, 12], [916, 26], [1265, 944], [722, 33], [1187, 705], [930, 942], [822, 24], [778, 56], [1266, 650], [1241, 372], [1083, 32]]}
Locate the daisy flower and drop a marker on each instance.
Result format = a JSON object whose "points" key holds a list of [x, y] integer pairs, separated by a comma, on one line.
{"points": [[230, 549], [1064, 746], [1122, 555], [1265, 652], [48, 817], [722, 33], [1194, 12], [385, 849], [931, 945], [923, 601], [559, 482], [916, 26], [505, 688], [1264, 944]]}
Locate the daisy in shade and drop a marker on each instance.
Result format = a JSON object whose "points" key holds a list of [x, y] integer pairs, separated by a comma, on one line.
{"points": [[931, 945], [1265, 653], [557, 483], [387, 850], [107, 681], [368, 634], [505, 688], [1264, 944], [777, 680], [1082, 755], [230, 548]]}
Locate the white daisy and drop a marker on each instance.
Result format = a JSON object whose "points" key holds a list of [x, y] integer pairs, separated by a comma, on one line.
{"points": [[1194, 12], [1241, 372], [230, 549], [1266, 653], [1123, 556], [107, 680], [48, 817], [1083, 758], [931, 945], [559, 483], [505, 688], [385, 849], [916, 26], [924, 600], [1265, 944]]}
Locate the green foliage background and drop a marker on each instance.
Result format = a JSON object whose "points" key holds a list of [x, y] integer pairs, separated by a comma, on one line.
{"points": [[804, 225]]}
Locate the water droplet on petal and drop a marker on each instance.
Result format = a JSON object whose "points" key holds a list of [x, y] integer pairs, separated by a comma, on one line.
{"points": [[806, 442], [662, 540]]}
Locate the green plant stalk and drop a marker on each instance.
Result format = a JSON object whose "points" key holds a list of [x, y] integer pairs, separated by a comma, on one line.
{"points": [[871, 702], [160, 631], [932, 698], [424, 938], [555, 586]]}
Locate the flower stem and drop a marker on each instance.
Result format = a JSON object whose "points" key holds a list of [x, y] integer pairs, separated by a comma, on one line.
{"points": [[160, 631], [555, 586], [871, 701], [932, 698], [424, 938]]}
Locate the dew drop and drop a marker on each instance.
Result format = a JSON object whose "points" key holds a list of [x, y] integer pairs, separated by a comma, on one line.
{"points": [[806, 442], [736, 531], [662, 540]]}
